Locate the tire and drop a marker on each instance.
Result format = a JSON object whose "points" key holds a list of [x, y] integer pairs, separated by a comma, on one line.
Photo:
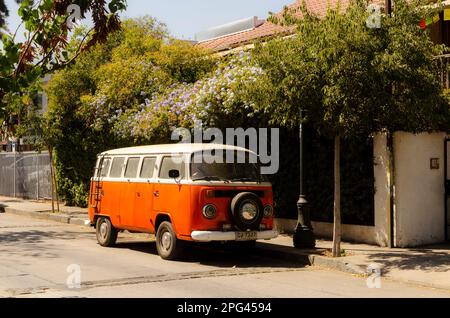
{"points": [[106, 232], [236, 205], [168, 246]]}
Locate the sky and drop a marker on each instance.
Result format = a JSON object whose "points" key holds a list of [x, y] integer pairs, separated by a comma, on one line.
{"points": [[187, 17]]}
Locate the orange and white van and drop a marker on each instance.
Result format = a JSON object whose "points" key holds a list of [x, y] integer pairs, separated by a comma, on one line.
{"points": [[165, 190]]}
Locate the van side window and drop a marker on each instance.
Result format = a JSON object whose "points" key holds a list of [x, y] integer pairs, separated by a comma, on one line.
{"points": [[132, 167], [116, 168], [172, 163], [148, 166], [105, 167]]}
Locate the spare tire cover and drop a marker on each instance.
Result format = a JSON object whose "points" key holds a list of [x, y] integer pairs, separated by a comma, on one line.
{"points": [[247, 211]]}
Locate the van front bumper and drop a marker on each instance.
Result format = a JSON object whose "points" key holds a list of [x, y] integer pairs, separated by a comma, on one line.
{"points": [[209, 236]]}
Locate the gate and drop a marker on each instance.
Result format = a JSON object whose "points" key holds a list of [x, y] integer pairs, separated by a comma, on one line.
{"points": [[25, 175], [447, 187]]}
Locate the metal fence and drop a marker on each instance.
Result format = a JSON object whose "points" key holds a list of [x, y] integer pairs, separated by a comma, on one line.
{"points": [[25, 175]]}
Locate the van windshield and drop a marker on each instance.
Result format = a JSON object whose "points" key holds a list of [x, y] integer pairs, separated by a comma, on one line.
{"points": [[231, 166]]}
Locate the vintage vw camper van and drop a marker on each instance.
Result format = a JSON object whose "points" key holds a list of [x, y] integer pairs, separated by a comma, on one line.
{"points": [[181, 193]]}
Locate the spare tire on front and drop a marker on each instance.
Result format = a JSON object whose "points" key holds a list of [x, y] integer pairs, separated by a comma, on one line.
{"points": [[247, 211]]}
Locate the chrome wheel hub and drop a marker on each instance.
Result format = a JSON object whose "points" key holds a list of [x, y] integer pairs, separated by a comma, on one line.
{"points": [[249, 211], [104, 230], [166, 241]]}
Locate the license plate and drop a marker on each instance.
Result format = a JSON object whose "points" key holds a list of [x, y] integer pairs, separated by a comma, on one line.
{"points": [[246, 236]]}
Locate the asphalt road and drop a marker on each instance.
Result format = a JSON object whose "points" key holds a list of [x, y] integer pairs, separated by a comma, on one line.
{"points": [[38, 258]]}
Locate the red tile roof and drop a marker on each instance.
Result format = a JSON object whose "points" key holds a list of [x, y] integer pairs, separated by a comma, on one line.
{"points": [[268, 29]]}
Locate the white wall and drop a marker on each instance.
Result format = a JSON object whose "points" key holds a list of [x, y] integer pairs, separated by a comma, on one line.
{"points": [[350, 233], [419, 191]]}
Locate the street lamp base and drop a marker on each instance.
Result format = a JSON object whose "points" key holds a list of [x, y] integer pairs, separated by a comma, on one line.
{"points": [[304, 238]]}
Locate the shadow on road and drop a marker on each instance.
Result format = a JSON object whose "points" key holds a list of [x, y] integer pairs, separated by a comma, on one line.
{"points": [[214, 255], [28, 242], [40, 240]]}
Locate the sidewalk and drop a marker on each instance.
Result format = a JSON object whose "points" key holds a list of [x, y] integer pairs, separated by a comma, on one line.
{"points": [[426, 266], [43, 210]]}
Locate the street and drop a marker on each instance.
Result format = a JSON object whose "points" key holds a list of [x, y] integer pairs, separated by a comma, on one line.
{"points": [[37, 258]]}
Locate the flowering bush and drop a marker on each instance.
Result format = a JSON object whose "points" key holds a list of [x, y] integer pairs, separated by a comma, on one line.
{"points": [[210, 100]]}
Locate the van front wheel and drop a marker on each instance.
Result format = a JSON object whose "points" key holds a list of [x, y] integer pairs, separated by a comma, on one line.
{"points": [[167, 244], [106, 232]]}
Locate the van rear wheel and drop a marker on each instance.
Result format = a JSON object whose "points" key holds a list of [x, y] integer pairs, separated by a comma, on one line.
{"points": [[167, 244], [106, 232]]}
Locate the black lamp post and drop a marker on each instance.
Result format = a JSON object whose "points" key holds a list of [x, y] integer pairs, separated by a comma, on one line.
{"points": [[304, 236]]}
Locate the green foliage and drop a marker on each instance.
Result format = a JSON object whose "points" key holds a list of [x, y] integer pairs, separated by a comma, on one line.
{"points": [[352, 79], [215, 100], [45, 48]]}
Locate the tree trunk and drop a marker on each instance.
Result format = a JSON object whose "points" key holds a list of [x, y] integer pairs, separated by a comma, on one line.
{"points": [[337, 198]]}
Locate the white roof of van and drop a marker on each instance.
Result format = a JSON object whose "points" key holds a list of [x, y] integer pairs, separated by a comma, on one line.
{"points": [[170, 148]]}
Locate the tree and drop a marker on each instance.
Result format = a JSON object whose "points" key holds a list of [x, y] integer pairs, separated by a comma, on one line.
{"points": [[351, 79], [45, 47]]}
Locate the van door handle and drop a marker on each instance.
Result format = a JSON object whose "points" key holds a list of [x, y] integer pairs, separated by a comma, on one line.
{"points": [[156, 193]]}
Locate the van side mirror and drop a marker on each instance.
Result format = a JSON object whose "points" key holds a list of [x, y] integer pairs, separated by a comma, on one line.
{"points": [[174, 174]]}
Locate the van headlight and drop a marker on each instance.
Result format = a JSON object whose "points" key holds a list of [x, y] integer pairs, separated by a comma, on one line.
{"points": [[268, 211], [209, 211]]}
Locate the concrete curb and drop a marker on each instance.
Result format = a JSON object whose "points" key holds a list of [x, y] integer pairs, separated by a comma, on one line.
{"points": [[337, 264], [307, 257], [60, 218]]}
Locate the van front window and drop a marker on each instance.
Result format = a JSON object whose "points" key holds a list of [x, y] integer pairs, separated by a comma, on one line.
{"points": [[205, 166]]}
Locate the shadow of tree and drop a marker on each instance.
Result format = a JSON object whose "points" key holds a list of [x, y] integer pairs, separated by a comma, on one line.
{"points": [[428, 260], [36, 243], [40, 241], [27, 236]]}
